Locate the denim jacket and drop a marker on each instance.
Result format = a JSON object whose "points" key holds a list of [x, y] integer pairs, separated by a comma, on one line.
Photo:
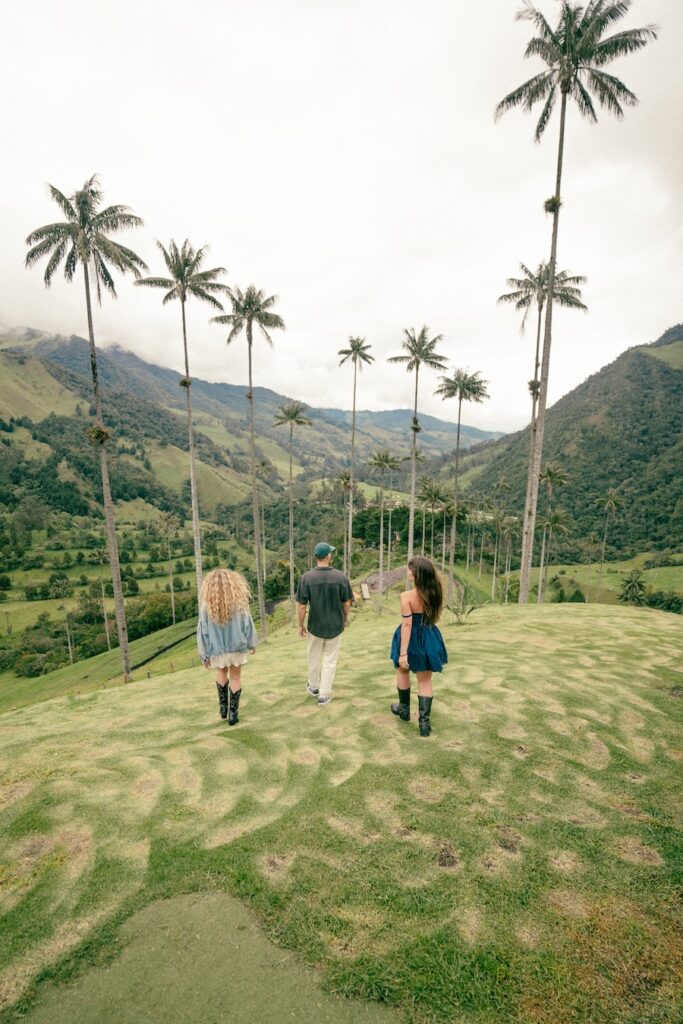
{"points": [[237, 635]]}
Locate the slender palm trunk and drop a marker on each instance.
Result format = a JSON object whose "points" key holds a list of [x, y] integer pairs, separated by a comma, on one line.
{"points": [[264, 567], [104, 610], [389, 543], [443, 543], [431, 539], [534, 401], [413, 467], [170, 578], [508, 562], [547, 562], [291, 524], [193, 475], [530, 508], [604, 544], [255, 496], [424, 529], [109, 519], [481, 552], [539, 598], [381, 544], [349, 547], [495, 564], [454, 524]]}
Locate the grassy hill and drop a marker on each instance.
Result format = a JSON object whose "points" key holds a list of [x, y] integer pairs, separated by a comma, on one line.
{"points": [[621, 428], [520, 865]]}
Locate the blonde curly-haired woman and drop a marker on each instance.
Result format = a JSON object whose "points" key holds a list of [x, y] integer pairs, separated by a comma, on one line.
{"points": [[225, 633]]}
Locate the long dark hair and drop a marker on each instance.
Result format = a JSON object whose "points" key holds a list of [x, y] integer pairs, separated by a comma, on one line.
{"points": [[428, 586]]}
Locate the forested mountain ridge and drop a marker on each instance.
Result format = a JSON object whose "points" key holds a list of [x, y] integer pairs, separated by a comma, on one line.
{"points": [[623, 429], [124, 371], [45, 400]]}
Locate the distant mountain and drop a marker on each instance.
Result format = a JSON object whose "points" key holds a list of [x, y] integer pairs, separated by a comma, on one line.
{"points": [[621, 428], [46, 398]]}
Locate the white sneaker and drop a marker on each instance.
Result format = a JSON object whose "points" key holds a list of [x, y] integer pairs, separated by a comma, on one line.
{"points": [[312, 690], [325, 699]]}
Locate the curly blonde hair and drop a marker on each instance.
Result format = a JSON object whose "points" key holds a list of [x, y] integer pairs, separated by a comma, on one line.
{"points": [[223, 593]]}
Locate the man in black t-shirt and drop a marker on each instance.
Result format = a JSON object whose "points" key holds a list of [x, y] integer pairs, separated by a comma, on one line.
{"points": [[327, 594]]}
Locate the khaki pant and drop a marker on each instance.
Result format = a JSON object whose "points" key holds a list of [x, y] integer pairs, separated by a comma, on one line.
{"points": [[322, 662]]}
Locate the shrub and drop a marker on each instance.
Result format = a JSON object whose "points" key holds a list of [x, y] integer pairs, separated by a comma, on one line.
{"points": [[5, 582]]}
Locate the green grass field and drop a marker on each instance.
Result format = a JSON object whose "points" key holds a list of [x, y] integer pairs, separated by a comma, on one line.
{"points": [[43, 396], [518, 866]]}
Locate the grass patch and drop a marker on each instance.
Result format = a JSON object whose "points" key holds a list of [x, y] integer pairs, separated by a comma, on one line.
{"points": [[517, 866]]}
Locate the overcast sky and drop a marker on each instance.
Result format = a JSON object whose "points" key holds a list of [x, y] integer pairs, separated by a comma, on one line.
{"points": [[343, 155]]}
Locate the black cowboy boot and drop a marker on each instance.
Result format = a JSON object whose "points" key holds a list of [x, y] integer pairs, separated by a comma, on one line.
{"points": [[402, 709], [222, 699], [233, 716], [425, 710]]}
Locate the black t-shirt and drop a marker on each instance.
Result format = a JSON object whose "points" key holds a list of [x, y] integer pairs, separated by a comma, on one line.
{"points": [[325, 590]]}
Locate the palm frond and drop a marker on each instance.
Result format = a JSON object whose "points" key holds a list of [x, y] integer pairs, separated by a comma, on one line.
{"points": [[611, 92], [583, 100], [116, 218], [103, 277], [526, 94], [170, 296], [62, 202], [205, 296], [155, 282], [53, 232], [530, 13], [543, 120], [54, 261], [71, 263], [40, 250]]}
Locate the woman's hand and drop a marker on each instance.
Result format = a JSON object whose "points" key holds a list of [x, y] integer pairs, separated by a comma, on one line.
{"points": [[403, 662], [252, 650], [206, 664]]}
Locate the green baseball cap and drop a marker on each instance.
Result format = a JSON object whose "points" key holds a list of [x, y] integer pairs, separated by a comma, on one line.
{"points": [[323, 549]]}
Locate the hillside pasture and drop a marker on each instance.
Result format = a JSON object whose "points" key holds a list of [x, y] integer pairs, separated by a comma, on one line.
{"points": [[517, 866]]}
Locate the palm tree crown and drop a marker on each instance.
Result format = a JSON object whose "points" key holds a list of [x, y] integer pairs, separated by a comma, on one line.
{"points": [[532, 289], [292, 415], [575, 53], [248, 308], [420, 349], [83, 238], [185, 277], [465, 387], [358, 352]]}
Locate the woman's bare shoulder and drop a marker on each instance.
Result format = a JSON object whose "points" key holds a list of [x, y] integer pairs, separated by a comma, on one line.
{"points": [[410, 601]]}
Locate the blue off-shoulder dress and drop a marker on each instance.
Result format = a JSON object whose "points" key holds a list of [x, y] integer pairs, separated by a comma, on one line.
{"points": [[426, 649]]}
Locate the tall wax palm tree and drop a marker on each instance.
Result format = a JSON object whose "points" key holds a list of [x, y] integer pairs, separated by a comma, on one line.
{"points": [[186, 280], [575, 52], [465, 387], [382, 462], [532, 290], [358, 352], [292, 415], [84, 239], [249, 308], [420, 350], [551, 477], [610, 504]]}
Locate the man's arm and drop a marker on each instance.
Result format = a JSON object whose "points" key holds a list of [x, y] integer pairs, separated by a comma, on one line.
{"points": [[301, 615], [345, 610]]}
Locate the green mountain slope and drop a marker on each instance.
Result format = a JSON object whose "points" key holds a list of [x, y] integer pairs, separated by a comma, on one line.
{"points": [[621, 428]]}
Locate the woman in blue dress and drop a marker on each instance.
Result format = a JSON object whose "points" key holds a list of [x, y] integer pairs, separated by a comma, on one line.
{"points": [[417, 644]]}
